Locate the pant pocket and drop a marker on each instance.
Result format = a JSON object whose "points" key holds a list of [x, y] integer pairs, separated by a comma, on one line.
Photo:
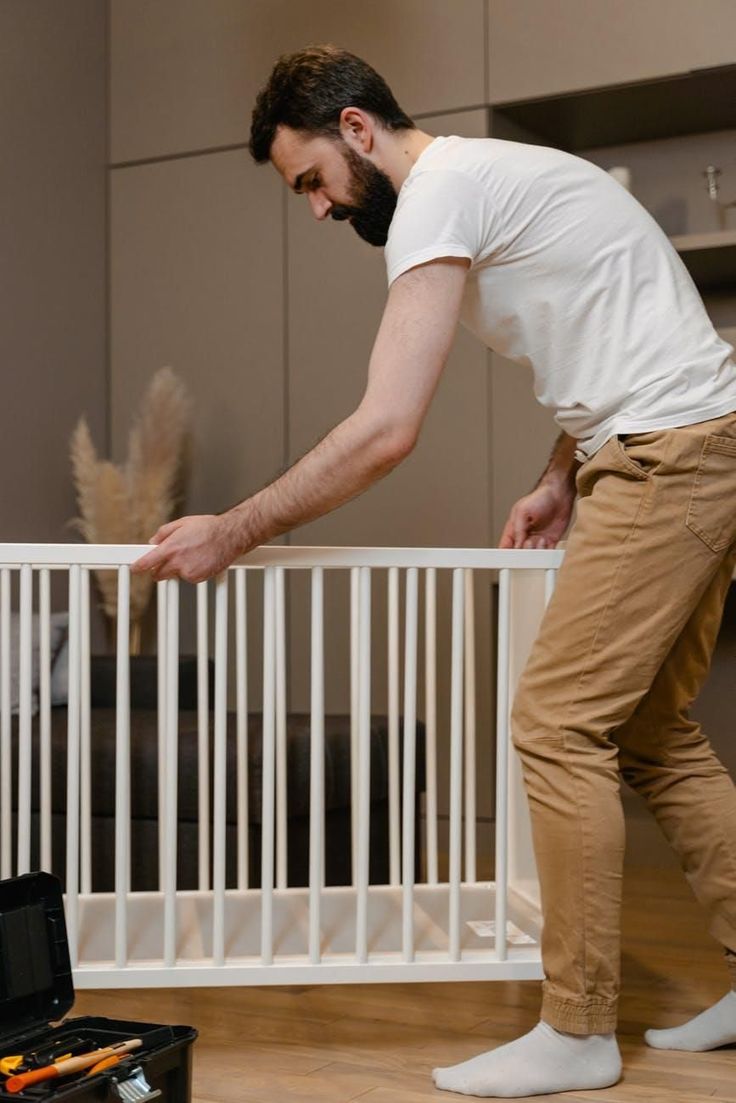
{"points": [[711, 513]]}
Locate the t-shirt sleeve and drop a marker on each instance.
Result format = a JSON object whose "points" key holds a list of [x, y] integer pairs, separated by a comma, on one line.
{"points": [[440, 213]]}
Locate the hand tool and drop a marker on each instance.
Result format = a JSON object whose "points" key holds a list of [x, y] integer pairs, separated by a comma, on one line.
{"points": [[66, 1068], [106, 1063]]}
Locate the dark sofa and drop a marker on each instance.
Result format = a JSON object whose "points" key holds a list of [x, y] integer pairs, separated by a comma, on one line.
{"points": [[144, 789]]}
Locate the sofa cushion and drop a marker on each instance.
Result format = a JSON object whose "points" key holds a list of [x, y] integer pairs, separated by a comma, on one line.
{"points": [[144, 762]]}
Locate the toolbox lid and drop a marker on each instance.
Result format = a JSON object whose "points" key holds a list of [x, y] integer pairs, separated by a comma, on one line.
{"points": [[36, 985]]}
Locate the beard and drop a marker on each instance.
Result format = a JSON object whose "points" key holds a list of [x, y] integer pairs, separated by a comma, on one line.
{"points": [[372, 197]]}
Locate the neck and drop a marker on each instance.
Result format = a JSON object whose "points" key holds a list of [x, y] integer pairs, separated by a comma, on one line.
{"points": [[400, 152]]}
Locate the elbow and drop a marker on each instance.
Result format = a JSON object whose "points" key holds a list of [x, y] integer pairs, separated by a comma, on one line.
{"points": [[385, 440], [393, 445]]}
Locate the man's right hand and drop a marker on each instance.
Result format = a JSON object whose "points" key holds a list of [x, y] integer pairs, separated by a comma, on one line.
{"points": [[539, 519]]}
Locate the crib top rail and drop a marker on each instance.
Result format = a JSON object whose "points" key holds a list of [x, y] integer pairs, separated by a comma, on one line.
{"points": [[101, 556]]}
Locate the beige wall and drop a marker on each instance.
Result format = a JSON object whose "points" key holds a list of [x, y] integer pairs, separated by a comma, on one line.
{"points": [[52, 281]]}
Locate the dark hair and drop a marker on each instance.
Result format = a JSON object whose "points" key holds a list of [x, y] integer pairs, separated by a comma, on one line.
{"points": [[309, 89]]}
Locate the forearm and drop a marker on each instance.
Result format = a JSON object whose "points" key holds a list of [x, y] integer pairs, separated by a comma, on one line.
{"points": [[562, 467], [353, 456]]}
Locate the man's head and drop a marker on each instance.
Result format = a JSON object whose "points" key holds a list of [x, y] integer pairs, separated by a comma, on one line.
{"points": [[320, 120]]}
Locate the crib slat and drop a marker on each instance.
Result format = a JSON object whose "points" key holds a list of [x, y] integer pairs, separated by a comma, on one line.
{"points": [[393, 726], [241, 683], [122, 769], [170, 770], [24, 719], [469, 764], [72, 775], [203, 740], [268, 759], [44, 609], [161, 697], [410, 739], [6, 793], [317, 765], [354, 717], [220, 793], [502, 763], [456, 755], [281, 812], [85, 740], [430, 709], [364, 764]]}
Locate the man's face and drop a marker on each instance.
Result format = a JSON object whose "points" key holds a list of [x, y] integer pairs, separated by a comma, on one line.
{"points": [[338, 182]]}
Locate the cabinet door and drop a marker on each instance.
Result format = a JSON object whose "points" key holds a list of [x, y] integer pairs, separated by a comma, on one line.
{"points": [[538, 48], [522, 435], [185, 73], [196, 250]]}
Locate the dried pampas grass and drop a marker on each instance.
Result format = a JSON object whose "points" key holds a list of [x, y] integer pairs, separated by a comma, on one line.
{"points": [[126, 505]]}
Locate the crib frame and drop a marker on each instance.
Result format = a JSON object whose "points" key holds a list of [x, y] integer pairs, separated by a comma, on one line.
{"points": [[402, 931]]}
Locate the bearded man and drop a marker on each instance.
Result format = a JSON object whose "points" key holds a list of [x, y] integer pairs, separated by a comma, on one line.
{"points": [[550, 262]]}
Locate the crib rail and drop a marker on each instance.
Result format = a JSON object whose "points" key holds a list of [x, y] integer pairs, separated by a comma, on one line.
{"points": [[472, 910]]}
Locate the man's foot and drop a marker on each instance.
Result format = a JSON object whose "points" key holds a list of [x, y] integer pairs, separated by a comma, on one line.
{"points": [[712, 1028], [545, 1060]]}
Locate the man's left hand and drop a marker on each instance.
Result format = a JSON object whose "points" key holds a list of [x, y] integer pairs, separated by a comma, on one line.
{"points": [[191, 548]]}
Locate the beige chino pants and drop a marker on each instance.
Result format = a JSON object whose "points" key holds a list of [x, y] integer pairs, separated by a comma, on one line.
{"points": [[623, 650]]}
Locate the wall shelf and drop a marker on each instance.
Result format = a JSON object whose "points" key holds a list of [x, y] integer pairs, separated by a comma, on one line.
{"points": [[697, 102], [710, 258]]}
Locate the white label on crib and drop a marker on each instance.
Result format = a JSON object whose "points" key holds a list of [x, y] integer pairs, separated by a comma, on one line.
{"points": [[486, 928]]}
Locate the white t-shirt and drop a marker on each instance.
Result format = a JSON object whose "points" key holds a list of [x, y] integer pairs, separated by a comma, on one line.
{"points": [[570, 275]]}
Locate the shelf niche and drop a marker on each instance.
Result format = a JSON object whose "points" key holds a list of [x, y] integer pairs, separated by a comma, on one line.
{"points": [[700, 102], [697, 102]]}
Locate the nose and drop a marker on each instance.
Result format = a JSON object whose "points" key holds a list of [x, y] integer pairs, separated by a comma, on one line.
{"points": [[320, 205]]}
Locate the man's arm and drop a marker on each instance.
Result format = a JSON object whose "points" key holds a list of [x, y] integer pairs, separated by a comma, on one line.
{"points": [[562, 466], [540, 518], [408, 356]]}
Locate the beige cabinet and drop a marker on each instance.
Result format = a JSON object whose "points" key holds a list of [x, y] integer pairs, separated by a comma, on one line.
{"points": [[184, 74], [52, 301], [541, 47], [196, 250]]}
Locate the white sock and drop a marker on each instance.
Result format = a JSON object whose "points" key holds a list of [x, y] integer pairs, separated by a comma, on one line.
{"points": [[712, 1028], [545, 1060]]}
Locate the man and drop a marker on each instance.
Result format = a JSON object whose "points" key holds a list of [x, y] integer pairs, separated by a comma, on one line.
{"points": [[550, 262]]}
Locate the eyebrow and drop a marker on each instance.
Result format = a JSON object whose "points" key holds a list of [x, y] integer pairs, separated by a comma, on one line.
{"points": [[297, 185]]}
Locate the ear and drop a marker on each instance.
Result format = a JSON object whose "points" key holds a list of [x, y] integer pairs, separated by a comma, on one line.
{"points": [[357, 128]]}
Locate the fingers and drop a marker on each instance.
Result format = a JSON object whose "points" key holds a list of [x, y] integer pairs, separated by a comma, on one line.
{"points": [[507, 536], [161, 567], [151, 561], [517, 531], [522, 524], [165, 530]]}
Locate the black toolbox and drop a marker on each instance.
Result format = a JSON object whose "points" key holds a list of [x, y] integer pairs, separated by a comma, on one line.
{"points": [[37, 989]]}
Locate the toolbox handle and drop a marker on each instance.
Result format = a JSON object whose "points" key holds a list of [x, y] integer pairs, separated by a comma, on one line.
{"points": [[135, 1088]]}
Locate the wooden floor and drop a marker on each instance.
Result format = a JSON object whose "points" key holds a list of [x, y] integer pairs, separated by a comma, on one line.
{"points": [[379, 1043]]}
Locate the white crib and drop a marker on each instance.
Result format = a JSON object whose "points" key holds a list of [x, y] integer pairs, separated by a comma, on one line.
{"points": [[443, 927]]}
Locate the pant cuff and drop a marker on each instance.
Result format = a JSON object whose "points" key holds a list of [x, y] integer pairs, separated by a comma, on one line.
{"points": [[586, 1017]]}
